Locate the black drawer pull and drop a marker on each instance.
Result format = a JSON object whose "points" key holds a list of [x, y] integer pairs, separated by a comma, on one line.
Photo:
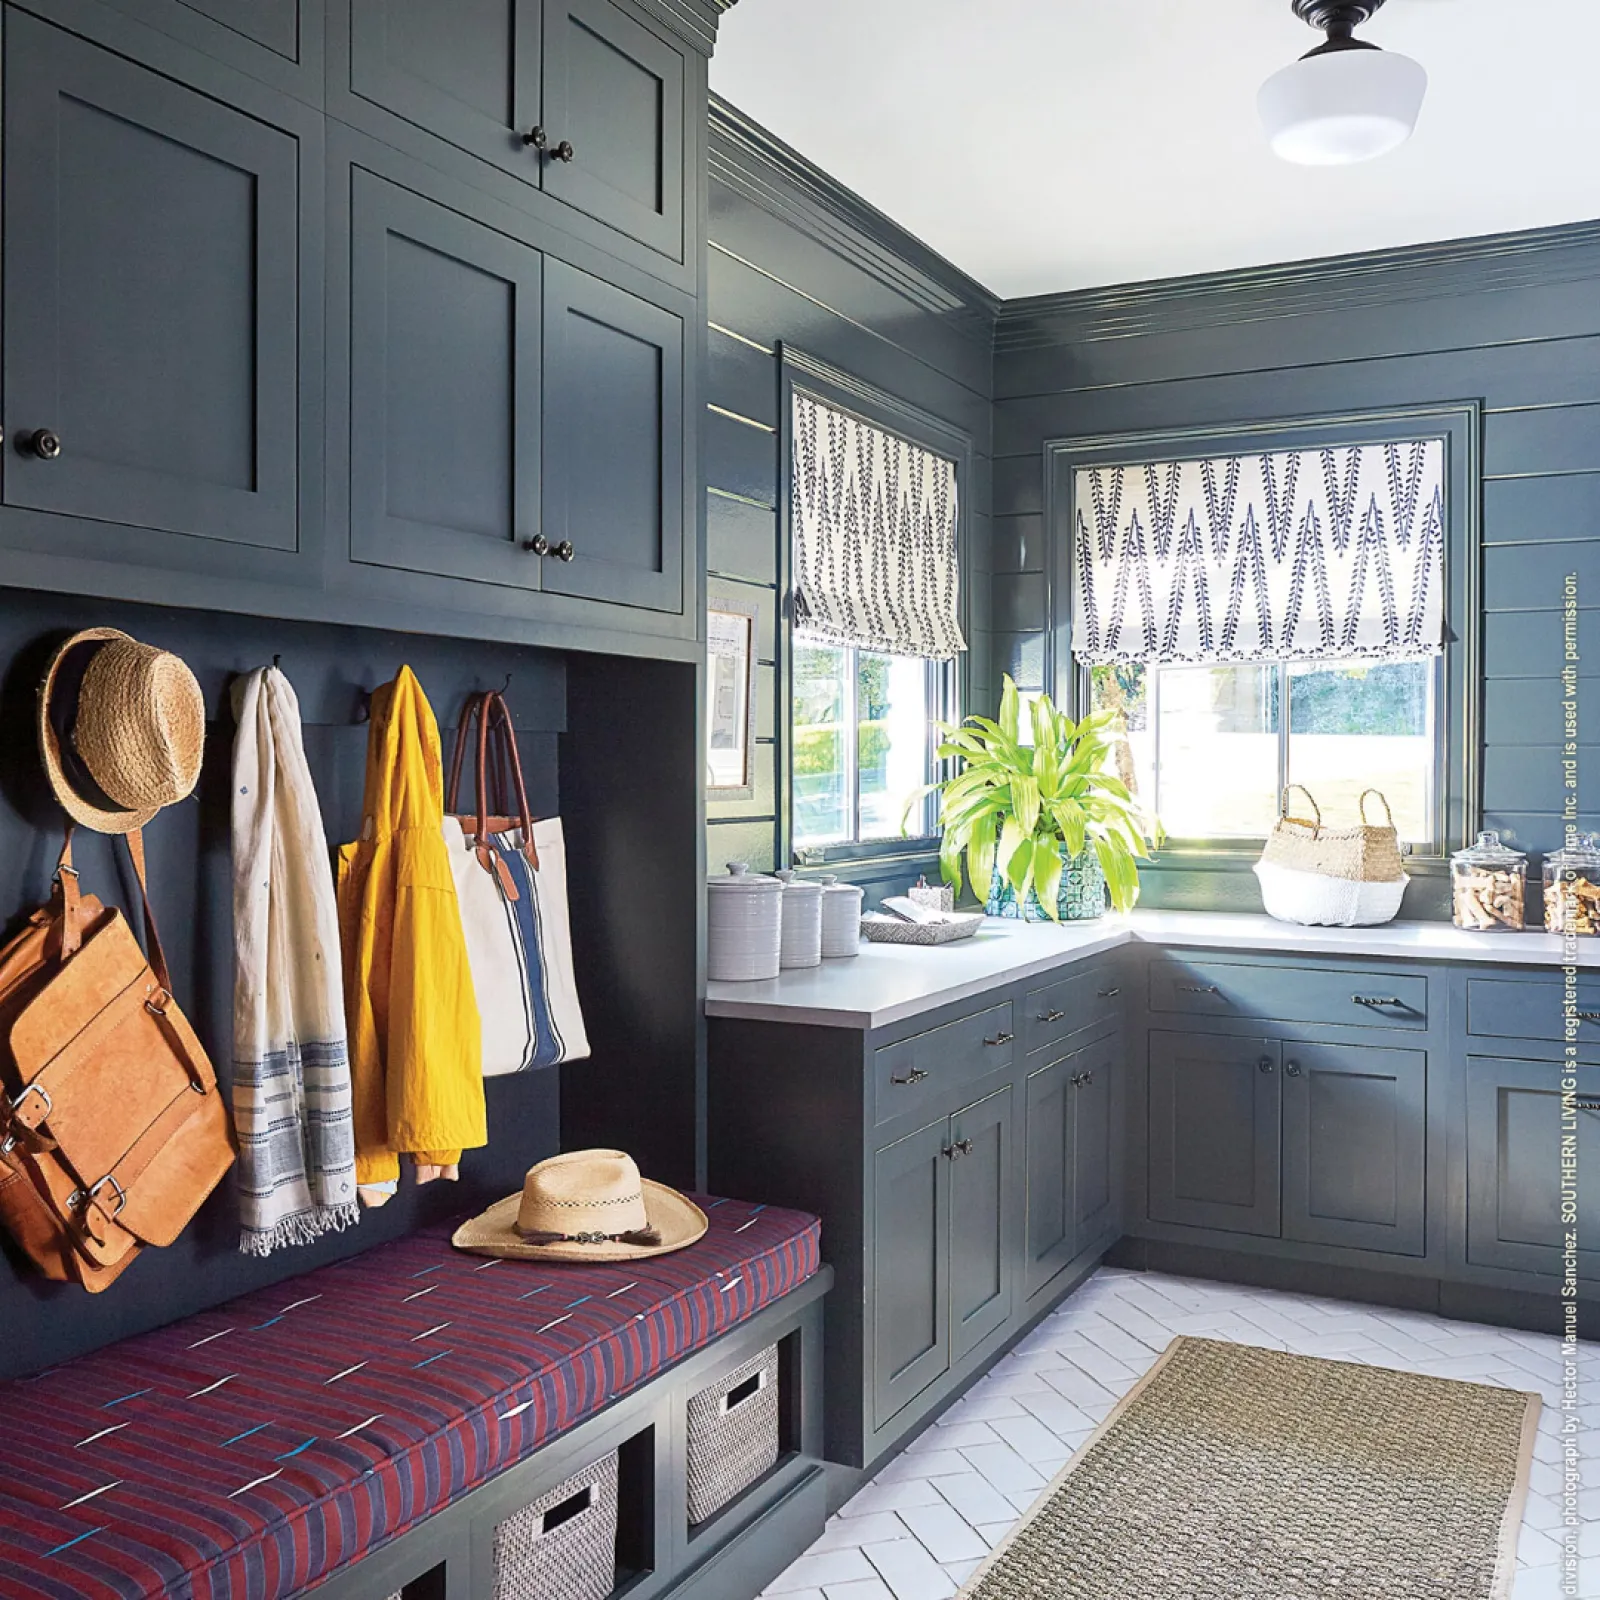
{"points": [[573, 1506], [915, 1075], [1292, 1068], [999, 1039], [1198, 988], [1589, 1016], [1589, 1105], [1376, 1002], [1267, 1064], [1052, 1016], [1110, 994]]}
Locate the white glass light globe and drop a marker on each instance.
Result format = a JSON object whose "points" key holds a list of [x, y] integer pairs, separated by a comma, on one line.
{"points": [[1343, 106]]}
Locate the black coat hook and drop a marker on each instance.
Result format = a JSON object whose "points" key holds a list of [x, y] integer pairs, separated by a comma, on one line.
{"points": [[277, 661], [506, 686]]}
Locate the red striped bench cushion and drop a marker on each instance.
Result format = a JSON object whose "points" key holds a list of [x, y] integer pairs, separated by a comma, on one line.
{"points": [[251, 1451]]}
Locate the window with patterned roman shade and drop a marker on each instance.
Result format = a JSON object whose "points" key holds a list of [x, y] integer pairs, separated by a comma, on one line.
{"points": [[875, 553], [1302, 555]]}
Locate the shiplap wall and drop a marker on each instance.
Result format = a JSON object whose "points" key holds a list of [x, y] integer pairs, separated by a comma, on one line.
{"points": [[1514, 322], [796, 260]]}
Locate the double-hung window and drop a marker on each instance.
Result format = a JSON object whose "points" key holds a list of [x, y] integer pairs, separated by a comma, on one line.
{"points": [[875, 519], [1265, 620]]}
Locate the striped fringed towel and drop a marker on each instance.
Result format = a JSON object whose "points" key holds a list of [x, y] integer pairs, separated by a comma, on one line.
{"points": [[291, 1067]]}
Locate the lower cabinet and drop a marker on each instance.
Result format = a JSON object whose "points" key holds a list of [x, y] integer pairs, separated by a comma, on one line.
{"points": [[1072, 1166], [1316, 1143], [943, 1202], [1519, 1124]]}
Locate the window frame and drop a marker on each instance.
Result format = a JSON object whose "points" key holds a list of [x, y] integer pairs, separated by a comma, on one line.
{"points": [[1458, 692], [831, 386]]}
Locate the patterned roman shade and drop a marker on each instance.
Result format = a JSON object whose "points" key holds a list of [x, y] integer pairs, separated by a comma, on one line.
{"points": [[874, 537], [1310, 555]]}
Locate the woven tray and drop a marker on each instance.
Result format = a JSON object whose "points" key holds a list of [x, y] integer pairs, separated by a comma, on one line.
{"points": [[882, 929]]}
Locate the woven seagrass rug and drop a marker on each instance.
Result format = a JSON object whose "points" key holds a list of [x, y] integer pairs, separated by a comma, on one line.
{"points": [[1233, 1473]]}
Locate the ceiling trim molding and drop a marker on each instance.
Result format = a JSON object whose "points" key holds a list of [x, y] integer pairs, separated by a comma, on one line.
{"points": [[748, 159], [694, 21], [1569, 253]]}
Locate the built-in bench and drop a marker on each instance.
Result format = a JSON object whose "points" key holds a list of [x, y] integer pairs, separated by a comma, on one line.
{"points": [[365, 1428]]}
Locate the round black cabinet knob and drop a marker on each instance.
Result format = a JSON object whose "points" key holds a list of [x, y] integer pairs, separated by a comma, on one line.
{"points": [[538, 545], [564, 551], [537, 137], [562, 151], [1266, 1064], [1292, 1068], [45, 444]]}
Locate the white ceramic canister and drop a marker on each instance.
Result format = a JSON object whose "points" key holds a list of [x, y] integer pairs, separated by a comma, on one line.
{"points": [[744, 926], [802, 920], [841, 918]]}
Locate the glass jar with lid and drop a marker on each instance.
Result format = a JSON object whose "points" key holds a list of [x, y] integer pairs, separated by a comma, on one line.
{"points": [[1572, 886], [1488, 885]]}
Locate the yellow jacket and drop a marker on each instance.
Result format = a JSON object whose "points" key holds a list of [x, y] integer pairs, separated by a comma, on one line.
{"points": [[415, 1040]]}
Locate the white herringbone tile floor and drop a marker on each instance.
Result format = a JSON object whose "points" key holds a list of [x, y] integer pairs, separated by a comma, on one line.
{"points": [[919, 1529]]}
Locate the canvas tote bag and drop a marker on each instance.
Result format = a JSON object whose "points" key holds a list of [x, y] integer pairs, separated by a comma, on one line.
{"points": [[112, 1130], [511, 880]]}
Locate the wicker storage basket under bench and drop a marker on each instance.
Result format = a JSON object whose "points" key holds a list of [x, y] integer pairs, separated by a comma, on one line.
{"points": [[733, 1434]]}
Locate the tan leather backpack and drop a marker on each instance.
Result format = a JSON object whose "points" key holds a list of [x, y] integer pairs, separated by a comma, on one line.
{"points": [[112, 1131]]}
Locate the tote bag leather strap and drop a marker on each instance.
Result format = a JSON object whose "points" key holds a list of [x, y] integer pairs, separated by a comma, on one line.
{"points": [[501, 786]]}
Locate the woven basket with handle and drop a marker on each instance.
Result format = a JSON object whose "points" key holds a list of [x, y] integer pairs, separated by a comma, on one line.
{"points": [[1331, 877]]}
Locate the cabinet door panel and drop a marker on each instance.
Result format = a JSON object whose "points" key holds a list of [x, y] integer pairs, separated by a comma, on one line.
{"points": [[1095, 1177], [1214, 1139], [981, 1182], [444, 390], [911, 1247], [615, 92], [613, 408], [1355, 1147], [467, 71], [1515, 1128], [151, 284], [1049, 1228], [273, 23]]}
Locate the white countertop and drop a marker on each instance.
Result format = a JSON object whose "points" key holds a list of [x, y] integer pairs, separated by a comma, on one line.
{"points": [[887, 983]]}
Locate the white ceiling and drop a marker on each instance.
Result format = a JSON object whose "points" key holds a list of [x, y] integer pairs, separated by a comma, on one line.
{"points": [[1045, 145]]}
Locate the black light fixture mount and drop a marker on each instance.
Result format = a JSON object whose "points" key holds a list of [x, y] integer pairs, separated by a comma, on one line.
{"points": [[1339, 19]]}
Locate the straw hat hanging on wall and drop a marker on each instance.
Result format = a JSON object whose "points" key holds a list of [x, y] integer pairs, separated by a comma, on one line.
{"points": [[138, 731]]}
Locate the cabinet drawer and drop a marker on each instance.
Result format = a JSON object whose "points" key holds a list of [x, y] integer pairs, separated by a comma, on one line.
{"points": [[1083, 1000], [916, 1073], [1364, 999], [1532, 1008]]}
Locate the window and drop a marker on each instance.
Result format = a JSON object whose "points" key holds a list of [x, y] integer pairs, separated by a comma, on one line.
{"points": [[863, 742], [1210, 748], [1269, 619], [876, 520]]}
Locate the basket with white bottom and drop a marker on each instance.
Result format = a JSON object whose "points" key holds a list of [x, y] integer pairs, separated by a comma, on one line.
{"points": [[1331, 877], [564, 1545], [733, 1434]]}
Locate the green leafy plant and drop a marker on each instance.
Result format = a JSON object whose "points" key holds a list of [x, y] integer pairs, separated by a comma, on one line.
{"points": [[1018, 805]]}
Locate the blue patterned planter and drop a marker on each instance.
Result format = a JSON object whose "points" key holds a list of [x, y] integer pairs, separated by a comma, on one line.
{"points": [[1082, 896]]}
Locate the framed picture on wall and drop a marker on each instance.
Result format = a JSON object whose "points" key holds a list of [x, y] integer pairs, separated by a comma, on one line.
{"points": [[730, 698]]}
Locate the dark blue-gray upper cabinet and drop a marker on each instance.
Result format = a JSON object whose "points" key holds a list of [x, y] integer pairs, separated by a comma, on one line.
{"points": [[445, 330], [1214, 1132], [277, 41], [1355, 1146], [615, 93], [613, 453], [575, 100], [153, 282], [1517, 1122]]}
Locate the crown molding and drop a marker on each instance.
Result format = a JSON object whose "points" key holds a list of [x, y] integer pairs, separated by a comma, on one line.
{"points": [[1570, 253], [694, 21], [772, 175]]}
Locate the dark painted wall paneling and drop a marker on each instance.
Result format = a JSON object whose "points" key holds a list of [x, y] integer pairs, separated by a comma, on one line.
{"points": [[796, 260], [1511, 322]]}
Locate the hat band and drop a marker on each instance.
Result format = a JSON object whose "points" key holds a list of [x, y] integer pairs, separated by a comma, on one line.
{"points": [[638, 1236]]}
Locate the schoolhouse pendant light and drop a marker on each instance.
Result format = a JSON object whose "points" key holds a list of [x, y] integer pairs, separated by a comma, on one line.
{"points": [[1347, 100]]}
